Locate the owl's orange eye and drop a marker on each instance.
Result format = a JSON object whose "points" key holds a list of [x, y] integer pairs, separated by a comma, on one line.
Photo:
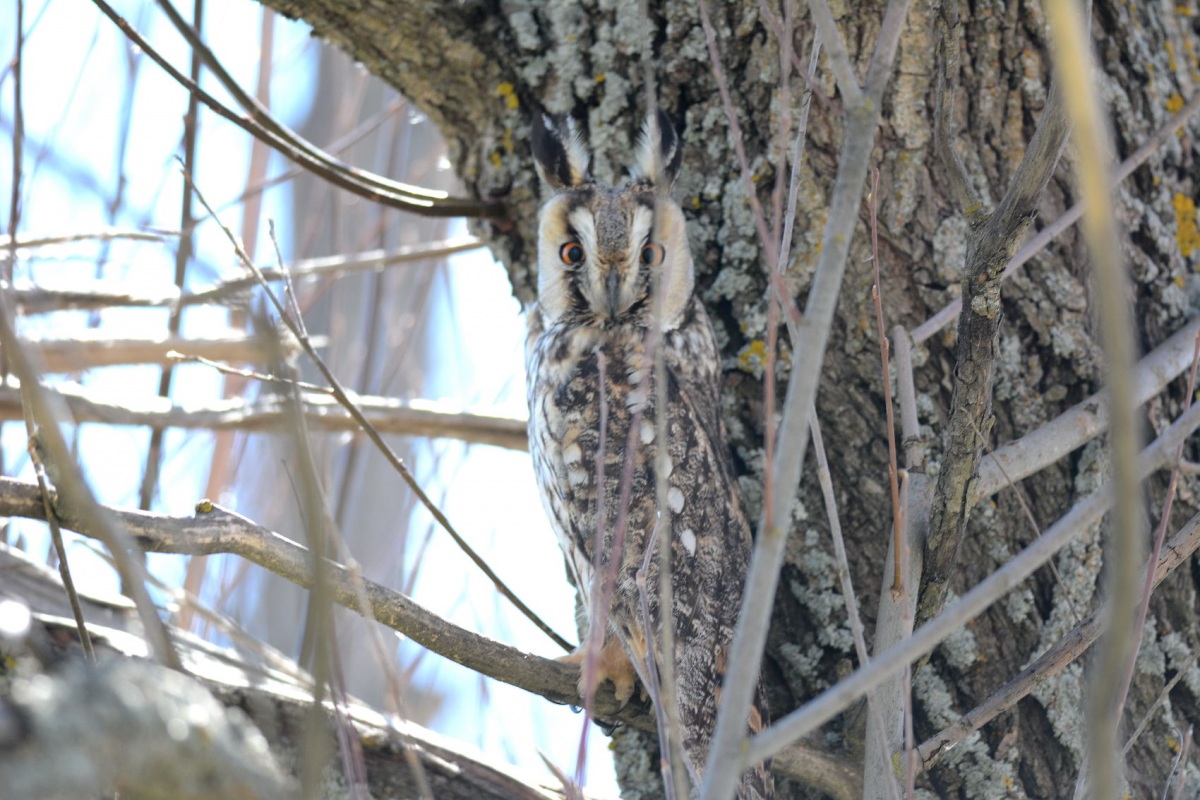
{"points": [[571, 253], [652, 254]]}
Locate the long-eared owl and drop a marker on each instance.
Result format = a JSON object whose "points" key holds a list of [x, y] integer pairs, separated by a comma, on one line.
{"points": [[591, 380]]}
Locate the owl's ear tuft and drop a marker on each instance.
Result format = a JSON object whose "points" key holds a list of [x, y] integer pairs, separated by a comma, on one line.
{"points": [[659, 152], [559, 151]]}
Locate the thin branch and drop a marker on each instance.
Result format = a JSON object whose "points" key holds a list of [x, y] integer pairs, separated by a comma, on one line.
{"points": [[1168, 687], [386, 415], [1065, 651], [946, 60], [862, 119], [28, 242], [889, 414], [1165, 518], [92, 349], [870, 777], [1074, 62], [1085, 420], [36, 300], [914, 449], [337, 266], [259, 125], [837, 698], [835, 50], [184, 249]]}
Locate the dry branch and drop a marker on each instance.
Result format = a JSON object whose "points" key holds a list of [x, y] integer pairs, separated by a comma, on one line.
{"points": [[388, 415], [95, 348]]}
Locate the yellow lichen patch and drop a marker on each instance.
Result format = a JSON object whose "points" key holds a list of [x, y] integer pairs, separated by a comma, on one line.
{"points": [[495, 159], [508, 92], [1187, 234], [600, 78], [753, 356], [1174, 103]]}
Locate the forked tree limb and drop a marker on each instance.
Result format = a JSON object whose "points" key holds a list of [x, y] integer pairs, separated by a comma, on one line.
{"points": [[992, 241]]}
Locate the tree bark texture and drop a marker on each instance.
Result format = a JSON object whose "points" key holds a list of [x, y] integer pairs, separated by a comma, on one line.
{"points": [[482, 70]]}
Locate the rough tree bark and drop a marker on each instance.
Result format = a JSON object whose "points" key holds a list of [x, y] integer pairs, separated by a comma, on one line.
{"points": [[481, 70]]}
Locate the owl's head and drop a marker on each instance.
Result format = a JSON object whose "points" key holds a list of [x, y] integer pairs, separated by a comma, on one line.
{"points": [[600, 248]]}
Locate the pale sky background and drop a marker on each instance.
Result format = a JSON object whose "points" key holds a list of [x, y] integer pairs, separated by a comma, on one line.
{"points": [[75, 64]]}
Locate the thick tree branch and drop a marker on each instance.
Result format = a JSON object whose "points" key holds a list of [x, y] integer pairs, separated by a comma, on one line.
{"points": [[991, 243]]}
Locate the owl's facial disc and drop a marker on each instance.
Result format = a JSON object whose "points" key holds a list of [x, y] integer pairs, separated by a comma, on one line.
{"points": [[613, 277]]}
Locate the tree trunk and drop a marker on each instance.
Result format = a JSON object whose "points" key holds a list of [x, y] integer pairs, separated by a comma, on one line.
{"points": [[483, 70]]}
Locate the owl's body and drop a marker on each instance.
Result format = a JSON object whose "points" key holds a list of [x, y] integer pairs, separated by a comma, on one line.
{"points": [[592, 385]]}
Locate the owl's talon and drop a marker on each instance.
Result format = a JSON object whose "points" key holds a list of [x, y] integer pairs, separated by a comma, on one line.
{"points": [[612, 665]]}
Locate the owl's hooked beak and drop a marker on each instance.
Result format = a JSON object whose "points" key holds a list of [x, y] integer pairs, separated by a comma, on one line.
{"points": [[612, 286]]}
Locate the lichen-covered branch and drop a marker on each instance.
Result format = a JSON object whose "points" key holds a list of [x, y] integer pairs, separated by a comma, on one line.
{"points": [[991, 243]]}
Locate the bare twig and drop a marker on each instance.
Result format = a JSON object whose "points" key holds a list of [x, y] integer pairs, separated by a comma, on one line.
{"points": [[1031, 248], [1158, 701], [1085, 420], [892, 466], [947, 66], [28, 242], [871, 777], [183, 256], [336, 266], [914, 449], [373, 187], [91, 349], [1165, 518], [835, 50], [1181, 765], [386, 415]]}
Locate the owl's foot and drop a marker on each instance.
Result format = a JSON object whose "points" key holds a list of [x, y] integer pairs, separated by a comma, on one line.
{"points": [[611, 664]]}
